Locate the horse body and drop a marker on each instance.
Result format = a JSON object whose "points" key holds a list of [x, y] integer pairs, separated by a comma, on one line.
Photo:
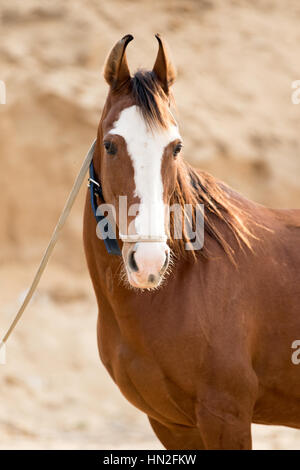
{"points": [[208, 352], [223, 345]]}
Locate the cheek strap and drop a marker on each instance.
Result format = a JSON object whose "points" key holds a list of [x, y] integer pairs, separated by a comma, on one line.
{"points": [[111, 244]]}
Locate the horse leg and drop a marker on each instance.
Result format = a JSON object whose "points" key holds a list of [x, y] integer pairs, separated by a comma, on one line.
{"points": [[224, 430], [224, 419], [176, 437]]}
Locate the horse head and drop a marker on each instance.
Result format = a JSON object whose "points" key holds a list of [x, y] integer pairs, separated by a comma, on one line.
{"points": [[139, 151]]}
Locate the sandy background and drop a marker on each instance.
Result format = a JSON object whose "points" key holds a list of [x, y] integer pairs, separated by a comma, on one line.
{"points": [[236, 62]]}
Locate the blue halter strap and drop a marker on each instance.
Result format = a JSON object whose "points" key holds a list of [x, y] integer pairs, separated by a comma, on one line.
{"points": [[111, 244]]}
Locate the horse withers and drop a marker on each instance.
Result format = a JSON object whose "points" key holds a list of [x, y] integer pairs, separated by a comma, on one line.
{"points": [[198, 339]]}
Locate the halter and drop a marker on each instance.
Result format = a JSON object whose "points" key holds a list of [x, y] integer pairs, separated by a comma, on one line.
{"points": [[111, 244]]}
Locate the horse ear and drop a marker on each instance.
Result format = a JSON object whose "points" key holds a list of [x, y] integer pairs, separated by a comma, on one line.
{"points": [[163, 68], [116, 71]]}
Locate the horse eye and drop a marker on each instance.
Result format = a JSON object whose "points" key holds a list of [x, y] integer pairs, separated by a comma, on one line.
{"points": [[177, 149], [110, 147]]}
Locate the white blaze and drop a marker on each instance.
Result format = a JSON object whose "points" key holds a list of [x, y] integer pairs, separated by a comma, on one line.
{"points": [[145, 148]]}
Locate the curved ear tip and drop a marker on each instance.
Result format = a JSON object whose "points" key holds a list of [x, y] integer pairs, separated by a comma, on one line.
{"points": [[158, 36], [127, 38]]}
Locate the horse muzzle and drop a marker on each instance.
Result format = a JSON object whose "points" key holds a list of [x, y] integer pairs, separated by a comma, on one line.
{"points": [[146, 262]]}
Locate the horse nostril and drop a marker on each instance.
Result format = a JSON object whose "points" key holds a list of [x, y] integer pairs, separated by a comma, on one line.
{"points": [[132, 263], [151, 278]]}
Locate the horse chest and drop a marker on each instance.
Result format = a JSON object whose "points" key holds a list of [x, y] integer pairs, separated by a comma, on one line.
{"points": [[143, 382]]}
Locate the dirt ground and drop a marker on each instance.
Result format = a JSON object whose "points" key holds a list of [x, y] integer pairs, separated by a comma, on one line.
{"points": [[236, 62]]}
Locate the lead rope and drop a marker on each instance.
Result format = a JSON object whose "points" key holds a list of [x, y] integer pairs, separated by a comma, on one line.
{"points": [[61, 222]]}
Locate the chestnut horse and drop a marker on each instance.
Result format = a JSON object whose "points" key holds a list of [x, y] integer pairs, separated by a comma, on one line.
{"points": [[206, 352]]}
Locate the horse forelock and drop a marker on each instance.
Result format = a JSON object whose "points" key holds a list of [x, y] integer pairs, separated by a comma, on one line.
{"points": [[150, 98]]}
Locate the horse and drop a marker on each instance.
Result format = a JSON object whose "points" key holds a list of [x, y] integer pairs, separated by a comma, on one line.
{"points": [[200, 340]]}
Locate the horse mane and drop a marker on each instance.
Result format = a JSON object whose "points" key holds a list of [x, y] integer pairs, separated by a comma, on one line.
{"points": [[222, 214], [192, 188]]}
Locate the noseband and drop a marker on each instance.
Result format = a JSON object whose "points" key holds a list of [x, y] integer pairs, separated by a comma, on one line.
{"points": [[111, 244], [143, 239]]}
